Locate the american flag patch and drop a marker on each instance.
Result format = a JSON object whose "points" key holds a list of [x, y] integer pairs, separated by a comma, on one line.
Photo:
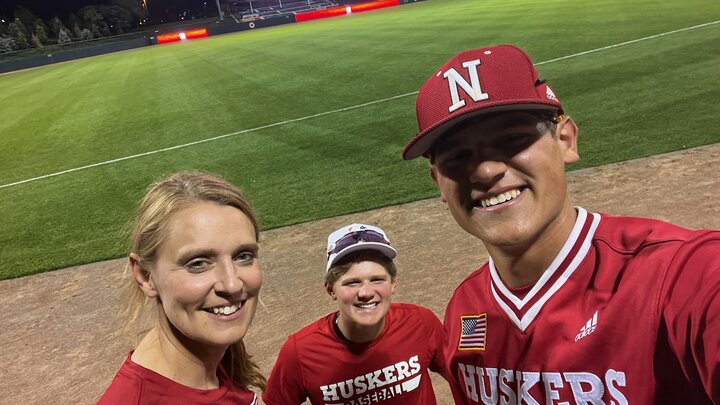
{"points": [[473, 330]]}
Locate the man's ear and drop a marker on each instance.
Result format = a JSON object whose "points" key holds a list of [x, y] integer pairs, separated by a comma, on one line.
{"points": [[567, 134], [142, 276], [433, 174]]}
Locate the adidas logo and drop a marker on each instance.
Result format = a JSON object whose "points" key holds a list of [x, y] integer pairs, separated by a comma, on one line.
{"points": [[588, 328]]}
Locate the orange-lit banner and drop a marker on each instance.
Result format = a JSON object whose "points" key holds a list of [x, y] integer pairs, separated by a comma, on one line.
{"points": [[342, 10], [182, 36], [374, 5]]}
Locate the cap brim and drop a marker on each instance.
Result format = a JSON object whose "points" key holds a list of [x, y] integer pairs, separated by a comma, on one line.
{"points": [[386, 250], [421, 144]]}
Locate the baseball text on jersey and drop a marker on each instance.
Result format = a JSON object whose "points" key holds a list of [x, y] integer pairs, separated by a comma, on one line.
{"points": [[375, 386], [501, 386]]}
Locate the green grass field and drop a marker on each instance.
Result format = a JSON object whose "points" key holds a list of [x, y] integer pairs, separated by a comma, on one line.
{"points": [[638, 99]]}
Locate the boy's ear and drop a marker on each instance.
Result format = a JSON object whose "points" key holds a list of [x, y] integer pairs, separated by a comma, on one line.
{"points": [[567, 134], [330, 291], [142, 276]]}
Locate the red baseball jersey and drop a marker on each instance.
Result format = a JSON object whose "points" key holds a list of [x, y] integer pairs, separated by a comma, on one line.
{"points": [[318, 364], [135, 384], [628, 312]]}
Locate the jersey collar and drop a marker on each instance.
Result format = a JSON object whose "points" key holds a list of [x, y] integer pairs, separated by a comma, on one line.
{"points": [[522, 311]]}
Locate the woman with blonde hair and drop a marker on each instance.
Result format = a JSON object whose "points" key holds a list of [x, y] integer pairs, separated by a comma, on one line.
{"points": [[195, 256]]}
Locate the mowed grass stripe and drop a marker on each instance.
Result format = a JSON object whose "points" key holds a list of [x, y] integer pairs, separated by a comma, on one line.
{"points": [[349, 161], [215, 138], [627, 107], [275, 172]]}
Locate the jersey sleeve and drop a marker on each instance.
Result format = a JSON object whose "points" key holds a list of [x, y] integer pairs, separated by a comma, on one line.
{"points": [[690, 313], [285, 385], [121, 391], [434, 330]]}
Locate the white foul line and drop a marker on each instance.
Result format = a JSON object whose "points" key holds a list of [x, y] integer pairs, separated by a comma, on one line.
{"points": [[107, 162], [628, 42]]}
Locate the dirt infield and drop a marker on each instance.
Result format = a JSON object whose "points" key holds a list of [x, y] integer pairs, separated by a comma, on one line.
{"points": [[59, 328]]}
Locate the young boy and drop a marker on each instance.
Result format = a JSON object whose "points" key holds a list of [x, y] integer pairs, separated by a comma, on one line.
{"points": [[370, 350]]}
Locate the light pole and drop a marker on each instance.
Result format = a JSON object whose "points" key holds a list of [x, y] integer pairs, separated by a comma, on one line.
{"points": [[220, 12], [147, 12]]}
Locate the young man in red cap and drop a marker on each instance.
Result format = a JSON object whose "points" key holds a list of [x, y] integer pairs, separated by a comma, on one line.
{"points": [[573, 306], [370, 351]]}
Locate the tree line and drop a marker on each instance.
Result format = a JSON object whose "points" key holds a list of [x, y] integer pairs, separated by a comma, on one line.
{"points": [[25, 30]]}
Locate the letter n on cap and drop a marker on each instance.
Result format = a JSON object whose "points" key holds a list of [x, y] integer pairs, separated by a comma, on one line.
{"points": [[472, 89]]}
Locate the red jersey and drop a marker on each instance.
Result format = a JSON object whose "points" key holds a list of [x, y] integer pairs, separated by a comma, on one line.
{"points": [[628, 312], [318, 363], [135, 384]]}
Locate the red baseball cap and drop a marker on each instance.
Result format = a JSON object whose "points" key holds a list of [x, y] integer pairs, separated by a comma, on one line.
{"points": [[478, 81]]}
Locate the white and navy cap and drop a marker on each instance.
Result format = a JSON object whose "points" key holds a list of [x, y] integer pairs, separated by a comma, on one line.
{"points": [[356, 237]]}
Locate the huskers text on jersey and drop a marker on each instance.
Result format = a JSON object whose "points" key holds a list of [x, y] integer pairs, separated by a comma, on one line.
{"points": [[378, 385], [501, 386]]}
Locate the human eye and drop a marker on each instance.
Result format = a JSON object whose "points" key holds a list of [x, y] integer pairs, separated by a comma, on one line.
{"points": [[513, 139], [246, 257], [454, 157], [197, 265], [516, 142]]}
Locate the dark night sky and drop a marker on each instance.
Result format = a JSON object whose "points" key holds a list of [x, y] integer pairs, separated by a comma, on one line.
{"points": [[48, 8]]}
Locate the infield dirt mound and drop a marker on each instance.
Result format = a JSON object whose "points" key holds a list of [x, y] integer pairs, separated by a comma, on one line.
{"points": [[59, 329]]}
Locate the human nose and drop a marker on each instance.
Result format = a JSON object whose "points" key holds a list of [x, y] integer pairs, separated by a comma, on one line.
{"points": [[227, 278], [487, 170], [365, 292]]}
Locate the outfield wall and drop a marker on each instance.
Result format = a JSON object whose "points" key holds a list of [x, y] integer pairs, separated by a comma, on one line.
{"points": [[220, 27], [72, 54], [250, 25]]}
